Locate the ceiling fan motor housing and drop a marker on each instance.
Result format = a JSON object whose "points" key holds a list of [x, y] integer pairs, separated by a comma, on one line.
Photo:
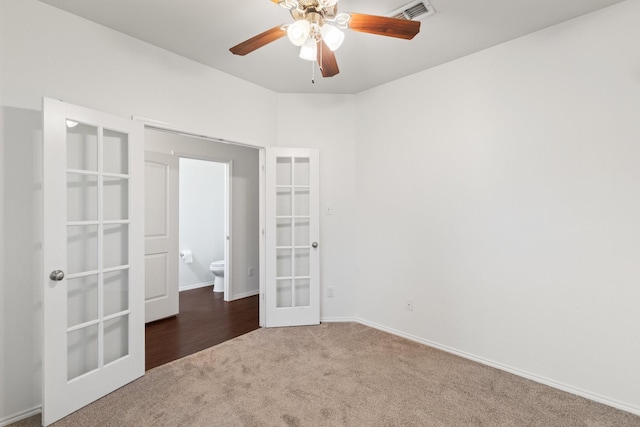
{"points": [[308, 8]]}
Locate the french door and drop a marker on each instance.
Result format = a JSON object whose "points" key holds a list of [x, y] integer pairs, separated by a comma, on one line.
{"points": [[93, 301], [292, 231]]}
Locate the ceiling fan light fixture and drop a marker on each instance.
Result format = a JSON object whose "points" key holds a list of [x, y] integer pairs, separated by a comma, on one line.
{"points": [[309, 50], [298, 32], [317, 29], [342, 20], [332, 36]]}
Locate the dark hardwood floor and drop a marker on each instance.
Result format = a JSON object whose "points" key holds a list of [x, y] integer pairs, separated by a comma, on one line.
{"points": [[205, 320]]}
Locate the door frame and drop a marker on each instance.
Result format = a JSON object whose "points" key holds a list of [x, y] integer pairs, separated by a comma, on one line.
{"points": [[228, 213], [165, 126]]}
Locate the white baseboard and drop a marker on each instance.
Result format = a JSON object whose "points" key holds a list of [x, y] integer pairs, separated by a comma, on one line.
{"points": [[524, 374], [194, 286], [233, 298], [533, 377], [338, 319], [21, 416], [245, 295]]}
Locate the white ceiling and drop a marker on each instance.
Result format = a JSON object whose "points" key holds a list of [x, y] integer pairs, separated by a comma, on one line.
{"points": [[204, 30]]}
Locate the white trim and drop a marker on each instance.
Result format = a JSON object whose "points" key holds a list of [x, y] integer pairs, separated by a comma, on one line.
{"points": [[168, 127], [245, 295], [511, 370], [204, 157], [262, 230], [194, 286], [233, 298], [21, 416], [597, 398], [228, 214], [339, 320], [164, 126], [228, 230]]}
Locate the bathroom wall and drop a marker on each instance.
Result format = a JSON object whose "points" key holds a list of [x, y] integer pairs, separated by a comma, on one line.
{"points": [[245, 237], [202, 219]]}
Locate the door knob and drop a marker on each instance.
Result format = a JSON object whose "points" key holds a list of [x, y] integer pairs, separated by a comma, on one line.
{"points": [[56, 275], [314, 245]]}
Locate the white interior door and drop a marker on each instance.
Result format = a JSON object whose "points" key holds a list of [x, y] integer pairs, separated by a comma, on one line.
{"points": [[292, 231], [93, 301], [161, 235]]}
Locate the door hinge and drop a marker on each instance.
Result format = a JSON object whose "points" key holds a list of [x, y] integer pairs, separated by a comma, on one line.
{"points": [[263, 169]]}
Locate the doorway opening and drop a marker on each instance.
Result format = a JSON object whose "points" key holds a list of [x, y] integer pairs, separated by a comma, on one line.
{"points": [[219, 221], [203, 224]]}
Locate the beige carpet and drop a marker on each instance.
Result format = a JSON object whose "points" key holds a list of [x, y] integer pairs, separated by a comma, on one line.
{"points": [[336, 374]]}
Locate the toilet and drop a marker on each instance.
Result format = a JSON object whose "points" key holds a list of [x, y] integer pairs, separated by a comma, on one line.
{"points": [[217, 268]]}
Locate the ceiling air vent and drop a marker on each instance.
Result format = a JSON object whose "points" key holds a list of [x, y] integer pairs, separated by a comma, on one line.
{"points": [[414, 10]]}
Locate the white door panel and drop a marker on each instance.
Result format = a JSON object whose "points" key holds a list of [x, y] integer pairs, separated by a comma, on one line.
{"points": [[292, 231], [93, 300], [161, 235]]}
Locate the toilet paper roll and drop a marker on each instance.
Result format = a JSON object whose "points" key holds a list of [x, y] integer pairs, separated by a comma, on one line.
{"points": [[187, 256]]}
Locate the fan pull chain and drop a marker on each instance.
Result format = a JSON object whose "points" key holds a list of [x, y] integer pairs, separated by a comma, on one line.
{"points": [[313, 72]]}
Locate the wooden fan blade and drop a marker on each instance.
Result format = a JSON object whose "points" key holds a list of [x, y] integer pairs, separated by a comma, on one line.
{"points": [[258, 41], [384, 26], [327, 60]]}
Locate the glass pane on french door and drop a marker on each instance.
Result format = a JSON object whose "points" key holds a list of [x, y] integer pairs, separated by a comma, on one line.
{"points": [[293, 239], [97, 247]]}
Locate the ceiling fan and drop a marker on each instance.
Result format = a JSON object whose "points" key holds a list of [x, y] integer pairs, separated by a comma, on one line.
{"points": [[317, 29]]}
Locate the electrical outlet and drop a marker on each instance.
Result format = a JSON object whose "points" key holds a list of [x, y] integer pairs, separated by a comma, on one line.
{"points": [[331, 291], [408, 304], [250, 271]]}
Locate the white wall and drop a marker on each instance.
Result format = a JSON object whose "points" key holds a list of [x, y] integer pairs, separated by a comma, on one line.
{"points": [[245, 234], [327, 122], [500, 193], [48, 52], [202, 219], [20, 260]]}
